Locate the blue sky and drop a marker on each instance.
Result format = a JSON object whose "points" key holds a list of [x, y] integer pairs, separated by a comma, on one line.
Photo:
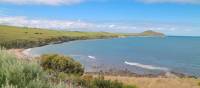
{"points": [[173, 17]]}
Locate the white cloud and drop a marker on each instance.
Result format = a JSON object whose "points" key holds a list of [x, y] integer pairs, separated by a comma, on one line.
{"points": [[40, 23], [122, 27], [69, 2], [42, 2], [65, 24], [172, 1]]}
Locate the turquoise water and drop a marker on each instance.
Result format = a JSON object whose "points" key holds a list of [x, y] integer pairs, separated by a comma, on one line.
{"points": [[143, 55]]}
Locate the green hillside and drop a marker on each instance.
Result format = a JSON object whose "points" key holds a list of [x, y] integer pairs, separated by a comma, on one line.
{"points": [[21, 37], [18, 37]]}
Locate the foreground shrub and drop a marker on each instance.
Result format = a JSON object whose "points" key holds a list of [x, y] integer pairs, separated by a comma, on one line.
{"points": [[15, 73], [61, 64]]}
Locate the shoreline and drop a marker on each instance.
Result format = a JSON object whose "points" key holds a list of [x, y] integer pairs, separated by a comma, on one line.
{"points": [[23, 54], [127, 73]]}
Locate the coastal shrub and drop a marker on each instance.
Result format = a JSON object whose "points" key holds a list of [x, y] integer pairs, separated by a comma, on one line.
{"points": [[15, 73], [60, 64]]}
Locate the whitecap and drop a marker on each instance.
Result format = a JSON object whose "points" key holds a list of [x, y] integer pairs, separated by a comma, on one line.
{"points": [[146, 66], [92, 57]]}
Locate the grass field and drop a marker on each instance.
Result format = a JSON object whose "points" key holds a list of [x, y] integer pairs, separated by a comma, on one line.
{"points": [[18, 37], [21, 37], [156, 82]]}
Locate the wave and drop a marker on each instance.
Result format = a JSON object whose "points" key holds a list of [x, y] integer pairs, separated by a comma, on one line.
{"points": [[146, 66], [92, 57]]}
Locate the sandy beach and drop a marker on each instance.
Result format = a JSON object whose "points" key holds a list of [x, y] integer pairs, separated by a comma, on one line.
{"points": [[20, 53]]}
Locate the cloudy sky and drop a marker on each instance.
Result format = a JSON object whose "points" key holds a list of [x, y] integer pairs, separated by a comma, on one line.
{"points": [[173, 17]]}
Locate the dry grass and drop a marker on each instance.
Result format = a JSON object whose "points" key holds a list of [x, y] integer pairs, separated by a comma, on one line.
{"points": [[145, 82]]}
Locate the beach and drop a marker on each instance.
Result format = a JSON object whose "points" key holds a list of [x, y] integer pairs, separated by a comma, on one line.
{"points": [[20, 53]]}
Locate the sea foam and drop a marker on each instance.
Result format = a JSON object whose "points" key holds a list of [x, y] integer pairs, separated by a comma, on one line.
{"points": [[92, 57], [146, 66]]}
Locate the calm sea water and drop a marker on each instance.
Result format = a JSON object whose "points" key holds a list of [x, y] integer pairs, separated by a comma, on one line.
{"points": [[143, 55]]}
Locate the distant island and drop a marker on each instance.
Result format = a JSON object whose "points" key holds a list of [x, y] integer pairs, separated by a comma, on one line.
{"points": [[23, 37], [147, 33]]}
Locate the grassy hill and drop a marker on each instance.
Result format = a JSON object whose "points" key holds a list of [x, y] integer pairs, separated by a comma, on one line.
{"points": [[18, 37], [21, 37]]}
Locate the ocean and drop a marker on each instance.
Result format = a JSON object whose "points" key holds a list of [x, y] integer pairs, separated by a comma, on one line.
{"points": [[142, 55]]}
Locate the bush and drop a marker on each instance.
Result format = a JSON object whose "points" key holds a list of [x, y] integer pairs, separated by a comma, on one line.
{"points": [[15, 73], [61, 64]]}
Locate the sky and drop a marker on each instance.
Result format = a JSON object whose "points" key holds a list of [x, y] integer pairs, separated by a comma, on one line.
{"points": [[172, 17]]}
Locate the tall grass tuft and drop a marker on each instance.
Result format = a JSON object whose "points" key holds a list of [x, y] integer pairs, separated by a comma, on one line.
{"points": [[15, 73]]}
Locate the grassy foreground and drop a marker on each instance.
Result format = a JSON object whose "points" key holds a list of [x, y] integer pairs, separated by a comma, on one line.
{"points": [[48, 71], [15, 73], [19, 37]]}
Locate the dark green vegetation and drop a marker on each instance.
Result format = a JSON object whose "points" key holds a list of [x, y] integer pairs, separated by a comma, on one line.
{"points": [[18, 73], [55, 63], [18, 37]]}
